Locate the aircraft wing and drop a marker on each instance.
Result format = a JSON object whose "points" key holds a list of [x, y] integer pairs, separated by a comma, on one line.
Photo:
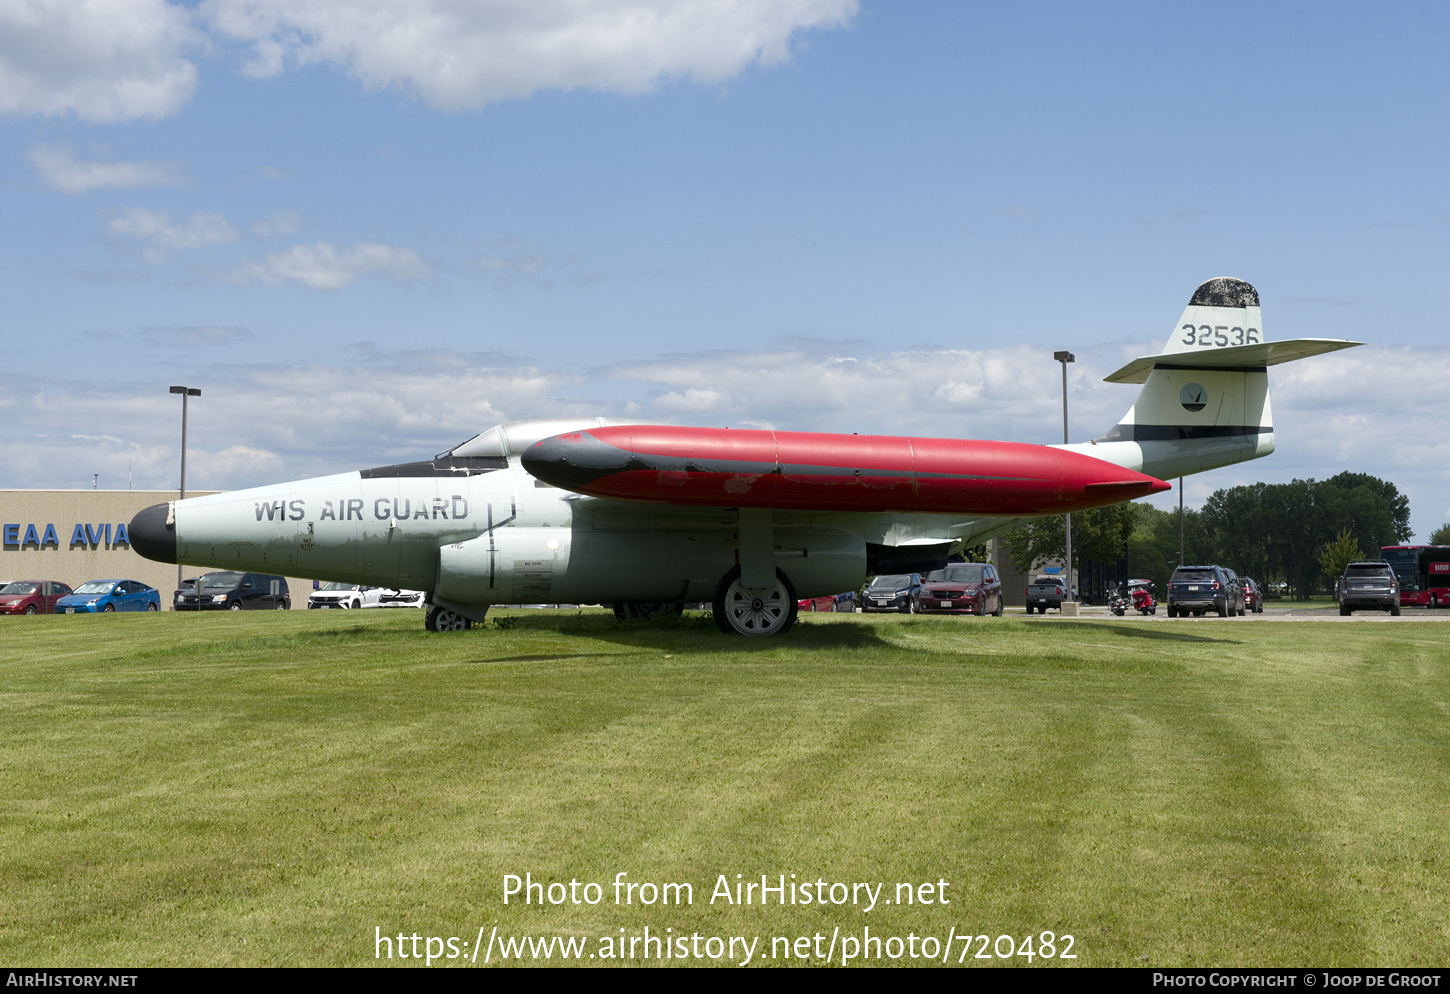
{"points": [[1233, 357]]}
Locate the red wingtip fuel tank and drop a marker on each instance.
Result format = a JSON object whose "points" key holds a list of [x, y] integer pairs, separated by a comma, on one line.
{"points": [[721, 467]]}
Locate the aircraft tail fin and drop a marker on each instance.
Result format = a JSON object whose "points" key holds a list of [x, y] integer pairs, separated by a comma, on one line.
{"points": [[1205, 397]]}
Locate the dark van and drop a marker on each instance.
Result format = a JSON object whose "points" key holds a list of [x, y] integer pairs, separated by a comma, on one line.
{"points": [[231, 591]]}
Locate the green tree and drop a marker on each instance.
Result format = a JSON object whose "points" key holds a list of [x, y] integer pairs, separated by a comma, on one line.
{"points": [[1100, 534], [1339, 554], [1441, 535], [1374, 510]]}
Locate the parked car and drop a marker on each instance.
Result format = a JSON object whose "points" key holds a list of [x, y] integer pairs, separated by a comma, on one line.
{"points": [[963, 588], [228, 590], [97, 596], [900, 592], [31, 596], [1253, 596], [344, 595], [844, 603], [1197, 589], [1370, 583], [1238, 606], [393, 597]]}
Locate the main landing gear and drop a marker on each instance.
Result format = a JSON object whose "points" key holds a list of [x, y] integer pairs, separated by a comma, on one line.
{"points": [[441, 619], [743, 610]]}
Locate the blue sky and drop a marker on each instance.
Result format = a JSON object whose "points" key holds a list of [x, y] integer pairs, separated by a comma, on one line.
{"points": [[370, 230]]}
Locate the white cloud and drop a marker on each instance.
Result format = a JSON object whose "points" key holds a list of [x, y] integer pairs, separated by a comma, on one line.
{"points": [[101, 60], [121, 60], [257, 424], [323, 267], [59, 169], [462, 54], [1375, 410], [160, 235]]}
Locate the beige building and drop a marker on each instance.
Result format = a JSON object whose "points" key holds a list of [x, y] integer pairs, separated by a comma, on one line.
{"points": [[79, 535]]}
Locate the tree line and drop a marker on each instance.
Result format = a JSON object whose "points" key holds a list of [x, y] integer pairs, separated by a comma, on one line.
{"points": [[1293, 532]]}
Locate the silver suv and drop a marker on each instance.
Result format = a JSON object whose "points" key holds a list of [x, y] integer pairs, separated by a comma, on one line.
{"points": [[1370, 583]]}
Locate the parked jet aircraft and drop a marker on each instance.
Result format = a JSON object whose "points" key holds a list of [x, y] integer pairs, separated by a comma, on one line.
{"points": [[648, 516]]}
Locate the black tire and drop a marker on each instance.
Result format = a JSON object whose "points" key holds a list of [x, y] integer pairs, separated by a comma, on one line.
{"points": [[440, 619], [1001, 608], [234, 606], [773, 615], [150, 607], [1394, 610], [1344, 612], [1223, 610], [109, 609], [31, 610]]}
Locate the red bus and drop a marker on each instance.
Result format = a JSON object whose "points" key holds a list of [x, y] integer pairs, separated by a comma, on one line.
{"points": [[1424, 573]]}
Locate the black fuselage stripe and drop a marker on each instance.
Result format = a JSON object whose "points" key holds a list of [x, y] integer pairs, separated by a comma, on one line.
{"points": [[1175, 433]]}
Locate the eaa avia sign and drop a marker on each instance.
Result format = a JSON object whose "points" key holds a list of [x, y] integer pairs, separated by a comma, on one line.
{"points": [[86, 537]]}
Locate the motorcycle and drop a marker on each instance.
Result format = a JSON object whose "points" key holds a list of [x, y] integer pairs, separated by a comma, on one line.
{"points": [[1141, 593]]}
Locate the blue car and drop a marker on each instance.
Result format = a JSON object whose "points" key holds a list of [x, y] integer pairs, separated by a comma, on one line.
{"points": [[96, 596]]}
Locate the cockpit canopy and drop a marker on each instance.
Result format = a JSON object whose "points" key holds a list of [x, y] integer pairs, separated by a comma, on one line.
{"points": [[513, 437]]}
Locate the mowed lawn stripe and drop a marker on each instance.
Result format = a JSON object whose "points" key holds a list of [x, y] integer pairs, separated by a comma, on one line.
{"points": [[268, 789]]}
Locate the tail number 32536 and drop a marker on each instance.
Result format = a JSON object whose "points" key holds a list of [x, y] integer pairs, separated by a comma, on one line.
{"points": [[1218, 336]]}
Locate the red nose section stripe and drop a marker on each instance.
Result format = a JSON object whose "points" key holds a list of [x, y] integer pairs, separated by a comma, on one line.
{"points": [[815, 471]]}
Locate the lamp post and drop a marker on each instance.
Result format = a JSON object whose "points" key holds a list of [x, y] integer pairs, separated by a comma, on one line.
{"points": [[185, 393], [1065, 358]]}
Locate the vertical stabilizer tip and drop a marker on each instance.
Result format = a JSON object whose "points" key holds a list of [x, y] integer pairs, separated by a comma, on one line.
{"points": [[1225, 291]]}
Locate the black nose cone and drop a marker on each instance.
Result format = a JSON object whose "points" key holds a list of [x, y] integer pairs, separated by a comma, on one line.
{"points": [[153, 535]]}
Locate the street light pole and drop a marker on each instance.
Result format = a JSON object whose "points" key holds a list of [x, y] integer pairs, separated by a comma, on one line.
{"points": [[1065, 358], [185, 393]]}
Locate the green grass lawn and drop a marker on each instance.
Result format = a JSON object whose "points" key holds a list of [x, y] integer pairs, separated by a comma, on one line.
{"points": [[280, 789]]}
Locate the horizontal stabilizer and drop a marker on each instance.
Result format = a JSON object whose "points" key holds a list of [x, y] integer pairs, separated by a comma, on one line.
{"points": [[1233, 357]]}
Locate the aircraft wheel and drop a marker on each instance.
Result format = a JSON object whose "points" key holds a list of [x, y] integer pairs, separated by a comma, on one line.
{"points": [[745, 610], [440, 619]]}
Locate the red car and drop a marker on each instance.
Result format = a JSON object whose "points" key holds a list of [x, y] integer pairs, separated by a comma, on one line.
{"points": [[31, 596], [1253, 598], [963, 588]]}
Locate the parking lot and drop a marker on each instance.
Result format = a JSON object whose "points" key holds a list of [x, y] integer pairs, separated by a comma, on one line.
{"points": [[1326, 613]]}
